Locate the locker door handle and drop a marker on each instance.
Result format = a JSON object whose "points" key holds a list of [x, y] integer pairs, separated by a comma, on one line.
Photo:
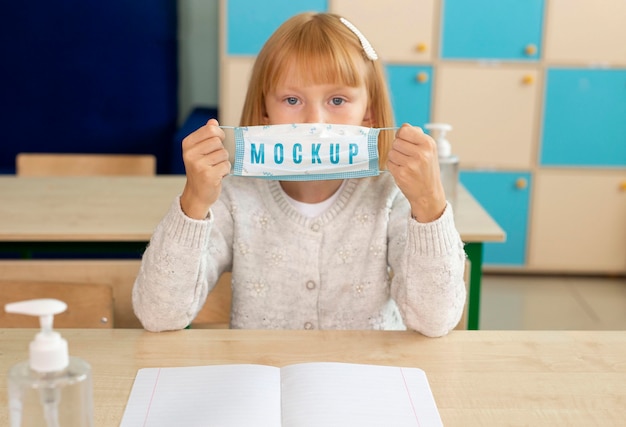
{"points": [[530, 49], [422, 77], [421, 47]]}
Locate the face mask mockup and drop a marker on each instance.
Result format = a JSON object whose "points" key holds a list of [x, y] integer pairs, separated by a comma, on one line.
{"points": [[306, 152]]}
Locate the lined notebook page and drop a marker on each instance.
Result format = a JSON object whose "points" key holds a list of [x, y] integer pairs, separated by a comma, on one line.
{"points": [[340, 394], [222, 395], [313, 394]]}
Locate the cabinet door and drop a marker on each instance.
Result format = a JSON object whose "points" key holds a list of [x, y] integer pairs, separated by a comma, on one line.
{"points": [[488, 29], [584, 118], [505, 196], [399, 30], [410, 91], [579, 221], [236, 72], [584, 32], [492, 110], [249, 23]]}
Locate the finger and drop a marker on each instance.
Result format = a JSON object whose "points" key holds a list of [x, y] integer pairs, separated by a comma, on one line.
{"points": [[224, 168], [198, 161], [406, 130], [413, 134], [405, 147], [403, 151], [218, 172], [202, 151], [397, 157], [208, 131], [216, 157]]}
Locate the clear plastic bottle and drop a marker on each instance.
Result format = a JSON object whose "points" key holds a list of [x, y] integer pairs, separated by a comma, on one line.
{"points": [[51, 389], [448, 163]]}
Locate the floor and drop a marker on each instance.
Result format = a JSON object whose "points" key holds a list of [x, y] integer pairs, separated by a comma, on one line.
{"points": [[552, 302]]}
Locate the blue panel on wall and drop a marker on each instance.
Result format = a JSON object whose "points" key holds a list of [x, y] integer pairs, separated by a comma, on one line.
{"points": [[491, 29], [508, 206], [410, 99], [91, 77], [251, 22], [584, 118]]}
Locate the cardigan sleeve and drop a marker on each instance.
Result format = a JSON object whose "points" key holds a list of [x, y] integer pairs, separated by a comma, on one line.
{"points": [[428, 283], [180, 266]]}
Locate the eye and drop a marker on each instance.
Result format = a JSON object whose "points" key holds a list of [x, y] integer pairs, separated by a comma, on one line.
{"points": [[291, 100], [337, 101]]}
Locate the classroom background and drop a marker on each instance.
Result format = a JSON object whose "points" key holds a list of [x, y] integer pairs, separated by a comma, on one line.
{"points": [[535, 92]]}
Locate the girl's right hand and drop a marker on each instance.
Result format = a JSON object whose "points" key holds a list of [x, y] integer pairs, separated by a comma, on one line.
{"points": [[206, 163]]}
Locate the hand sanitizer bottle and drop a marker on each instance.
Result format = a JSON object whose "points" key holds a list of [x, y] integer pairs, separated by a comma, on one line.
{"points": [[448, 163], [51, 389]]}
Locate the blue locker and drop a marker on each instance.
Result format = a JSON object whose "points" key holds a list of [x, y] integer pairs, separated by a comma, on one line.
{"points": [[488, 29], [505, 195], [251, 22], [584, 120], [410, 89]]}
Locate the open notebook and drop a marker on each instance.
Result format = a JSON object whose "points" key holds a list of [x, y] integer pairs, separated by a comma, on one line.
{"points": [[307, 394]]}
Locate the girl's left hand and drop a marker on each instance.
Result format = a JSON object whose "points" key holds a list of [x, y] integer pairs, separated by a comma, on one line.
{"points": [[414, 164]]}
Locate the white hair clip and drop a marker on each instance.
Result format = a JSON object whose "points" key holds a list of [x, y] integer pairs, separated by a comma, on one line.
{"points": [[367, 47]]}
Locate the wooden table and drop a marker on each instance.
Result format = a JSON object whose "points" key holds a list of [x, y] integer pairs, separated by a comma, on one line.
{"points": [[478, 378], [118, 214], [79, 210]]}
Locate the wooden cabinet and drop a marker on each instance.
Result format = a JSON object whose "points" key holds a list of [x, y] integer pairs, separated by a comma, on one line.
{"points": [[493, 111], [487, 29], [236, 73], [410, 89], [402, 31], [535, 91], [584, 118], [505, 195], [579, 221], [585, 32]]}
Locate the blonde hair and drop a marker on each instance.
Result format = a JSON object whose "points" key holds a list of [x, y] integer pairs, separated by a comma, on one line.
{"points": [[324, 50]]}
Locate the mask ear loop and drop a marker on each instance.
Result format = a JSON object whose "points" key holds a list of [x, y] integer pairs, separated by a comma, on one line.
{"points": [[387, 128], [367, 47]]}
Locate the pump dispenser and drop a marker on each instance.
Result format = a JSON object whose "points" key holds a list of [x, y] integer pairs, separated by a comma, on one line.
{"points": [[448, 163], [51, 389]]}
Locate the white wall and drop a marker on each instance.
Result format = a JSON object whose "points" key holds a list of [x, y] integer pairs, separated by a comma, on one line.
{"points": [[198, 56]]}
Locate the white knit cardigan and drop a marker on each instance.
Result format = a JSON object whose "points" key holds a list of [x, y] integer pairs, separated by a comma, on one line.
{"points": [[362, 264]]}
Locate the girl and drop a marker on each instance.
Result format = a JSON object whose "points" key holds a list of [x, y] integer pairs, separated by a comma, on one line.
{"points": [[369, 253]]}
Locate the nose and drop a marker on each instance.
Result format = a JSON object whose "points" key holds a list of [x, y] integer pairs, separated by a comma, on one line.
{"points": [[314, 114]]}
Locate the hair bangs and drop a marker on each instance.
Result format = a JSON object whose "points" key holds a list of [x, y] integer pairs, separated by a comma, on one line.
{"points": [[316, 55]]}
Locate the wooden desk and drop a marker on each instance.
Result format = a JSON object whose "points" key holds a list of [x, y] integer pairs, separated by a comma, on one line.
{"points": [[83, 209], [118, 214], [478, 378]]}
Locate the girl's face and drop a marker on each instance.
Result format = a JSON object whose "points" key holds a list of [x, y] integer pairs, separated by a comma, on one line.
{"points": [[294, 102]]}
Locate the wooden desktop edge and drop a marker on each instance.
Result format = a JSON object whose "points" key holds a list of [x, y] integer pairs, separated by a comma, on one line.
{"points": [[16, 225], [508, 369]]}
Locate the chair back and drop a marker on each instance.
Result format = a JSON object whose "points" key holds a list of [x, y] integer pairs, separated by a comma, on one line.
{"points": [[462, 325], [88, 305], [215, 314], [120, 276], [54, 164]]}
